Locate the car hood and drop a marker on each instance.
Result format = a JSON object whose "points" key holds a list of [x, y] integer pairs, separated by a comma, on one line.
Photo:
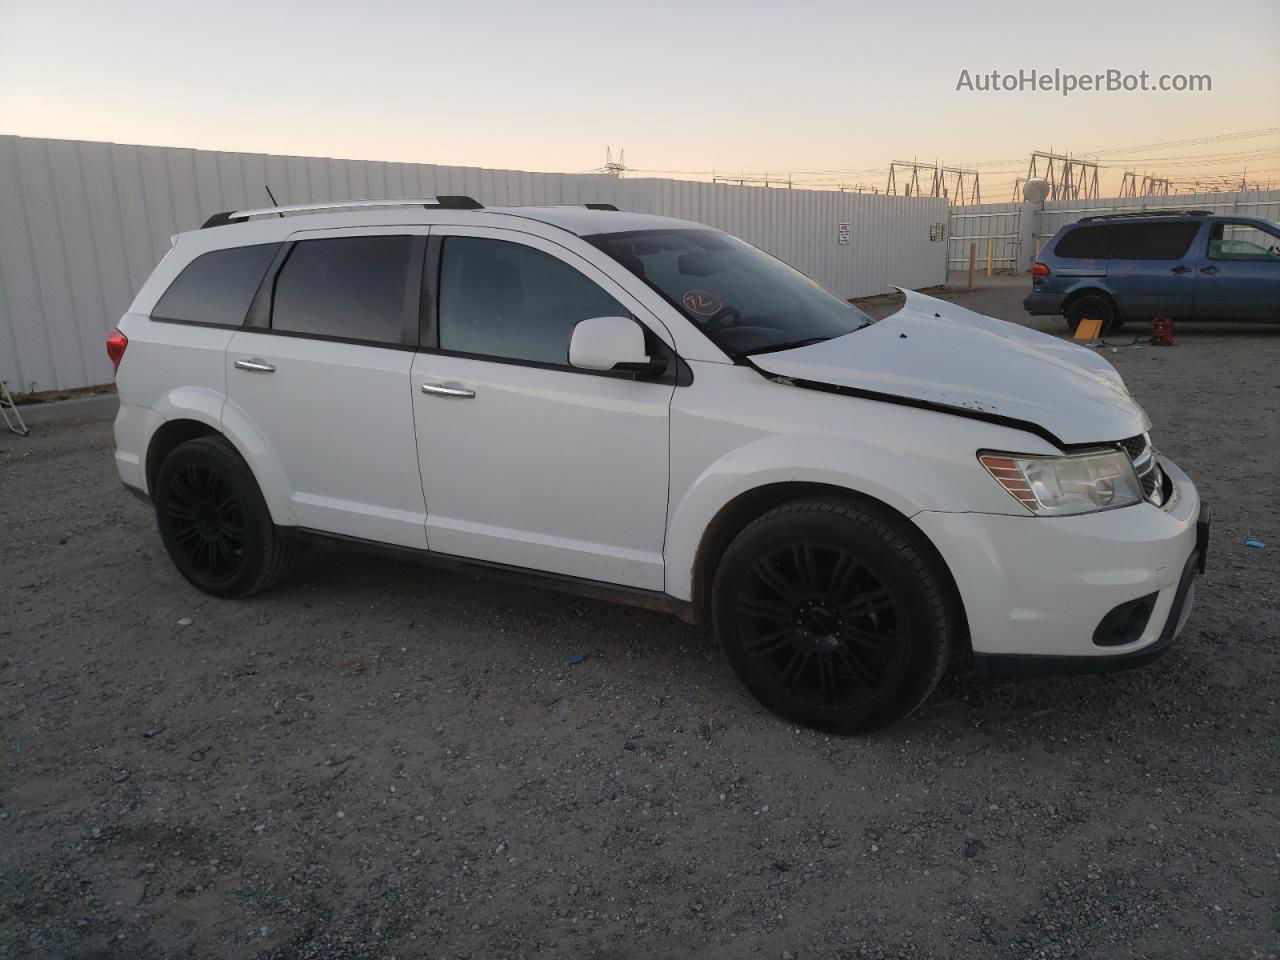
{"points": [[936, 353]]}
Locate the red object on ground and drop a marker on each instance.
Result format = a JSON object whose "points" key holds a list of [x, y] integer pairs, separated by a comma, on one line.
{"points": [[1162, 332]]}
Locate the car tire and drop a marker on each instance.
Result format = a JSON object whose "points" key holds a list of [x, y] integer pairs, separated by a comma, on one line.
{"points": [[215, 524], [834, 614], [1092, 305]]}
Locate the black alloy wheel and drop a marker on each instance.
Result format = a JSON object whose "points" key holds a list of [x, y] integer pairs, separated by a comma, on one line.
{"points": [[206, 522], [821, 625], [836, 613], [214, 521]]}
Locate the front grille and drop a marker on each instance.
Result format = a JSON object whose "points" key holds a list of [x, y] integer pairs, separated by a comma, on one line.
{"points": [[1144, 464]]}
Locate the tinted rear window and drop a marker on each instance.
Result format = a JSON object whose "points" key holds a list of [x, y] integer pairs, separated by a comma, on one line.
{"points": [[216, 288], [1152, 241], [355, 288], [1093, 243]]}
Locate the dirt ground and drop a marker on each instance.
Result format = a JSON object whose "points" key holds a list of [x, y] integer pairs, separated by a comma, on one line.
{"points": [[380, 760]]}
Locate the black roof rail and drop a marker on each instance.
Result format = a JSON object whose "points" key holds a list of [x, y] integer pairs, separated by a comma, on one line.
{"points": [[601, 206], [221, 220], [1148, 213], [457, 202]]}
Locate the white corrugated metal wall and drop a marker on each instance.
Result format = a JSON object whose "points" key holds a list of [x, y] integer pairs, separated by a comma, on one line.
{"points": [[82, 224]]}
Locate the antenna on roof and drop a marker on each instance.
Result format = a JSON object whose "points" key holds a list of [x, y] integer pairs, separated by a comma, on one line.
{"points": [[272, 196]]}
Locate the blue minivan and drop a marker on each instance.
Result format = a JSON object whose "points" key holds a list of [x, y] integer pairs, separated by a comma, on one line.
{"points": [[1134, 266]]}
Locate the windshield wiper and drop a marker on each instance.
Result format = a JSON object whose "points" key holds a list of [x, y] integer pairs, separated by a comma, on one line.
{"points": [[789, 345]]}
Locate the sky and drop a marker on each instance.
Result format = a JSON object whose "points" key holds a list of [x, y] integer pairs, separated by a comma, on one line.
{"points": [[829, 91]]}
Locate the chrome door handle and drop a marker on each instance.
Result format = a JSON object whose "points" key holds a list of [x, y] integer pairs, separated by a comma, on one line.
{"points": [[1209, 270], [255, 366], [455, 391], [1181, 268]]}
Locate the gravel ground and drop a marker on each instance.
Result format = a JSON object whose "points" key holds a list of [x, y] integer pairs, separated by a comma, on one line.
{"points": [[381, 760]]}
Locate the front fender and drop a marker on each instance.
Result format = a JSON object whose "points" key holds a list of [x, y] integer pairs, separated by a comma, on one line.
{"points": [[900, 482]]}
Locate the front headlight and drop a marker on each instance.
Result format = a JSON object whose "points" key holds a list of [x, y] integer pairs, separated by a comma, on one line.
{"points": [[1058, 486]]}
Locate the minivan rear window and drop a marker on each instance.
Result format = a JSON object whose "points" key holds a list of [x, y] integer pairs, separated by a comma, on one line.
{"points": [[215, 288], [1090, 243], [1153, 241]]}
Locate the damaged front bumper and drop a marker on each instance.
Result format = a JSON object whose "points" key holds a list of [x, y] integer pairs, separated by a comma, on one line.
{"points": [[1037, 590]]}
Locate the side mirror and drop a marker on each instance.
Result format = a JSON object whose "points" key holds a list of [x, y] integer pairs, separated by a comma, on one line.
{"points": [[609, 343]]}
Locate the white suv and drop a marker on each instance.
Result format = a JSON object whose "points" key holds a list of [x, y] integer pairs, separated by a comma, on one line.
{"points": [[652, 411]]}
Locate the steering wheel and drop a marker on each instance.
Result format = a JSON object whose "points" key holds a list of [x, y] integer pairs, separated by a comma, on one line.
{"points": [[720, 319]]}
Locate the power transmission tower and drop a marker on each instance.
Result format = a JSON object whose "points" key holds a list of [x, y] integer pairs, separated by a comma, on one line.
{"points": [[1222, 183], [1155, 186], [617, 167], [765, 181], [954, 183], [1068, 177], [1148, 186], [911, 171]]}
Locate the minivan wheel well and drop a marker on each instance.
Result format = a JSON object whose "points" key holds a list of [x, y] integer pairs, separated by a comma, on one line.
{"points": [[739, 512], [171, 434], [1090, 292]]}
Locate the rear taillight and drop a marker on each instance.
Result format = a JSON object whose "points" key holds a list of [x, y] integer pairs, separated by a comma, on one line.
{"points": [[116, 342], [1039, 270]]}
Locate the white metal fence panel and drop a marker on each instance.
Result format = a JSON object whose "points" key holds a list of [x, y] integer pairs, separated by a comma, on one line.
{"points": [[82, 224], [995, 230]]}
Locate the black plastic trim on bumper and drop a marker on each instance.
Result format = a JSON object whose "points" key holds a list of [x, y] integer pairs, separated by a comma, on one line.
{"points": [[1043, 304], [1015, 664]]}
